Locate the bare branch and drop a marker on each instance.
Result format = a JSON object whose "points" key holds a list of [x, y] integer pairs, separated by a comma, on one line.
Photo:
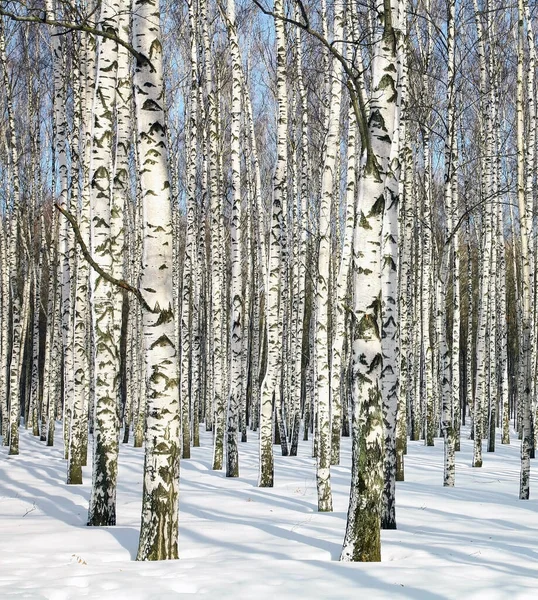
{"points": [[91, 261], [353, 84], [43, 19]]}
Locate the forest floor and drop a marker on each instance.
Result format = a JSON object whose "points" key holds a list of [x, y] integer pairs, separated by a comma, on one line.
{"points": [[476, 540]]}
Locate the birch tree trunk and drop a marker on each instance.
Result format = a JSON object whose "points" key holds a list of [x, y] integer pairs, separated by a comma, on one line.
{"points": [[78, 302], [450, 393], [159, 523], [102, 510], [338, 385], [362, 539], [232, 455], [323, 340], [300, 241], [4, 278], [526, 441], [390, 375], [481, 371], [189, 257], [270, 387]]}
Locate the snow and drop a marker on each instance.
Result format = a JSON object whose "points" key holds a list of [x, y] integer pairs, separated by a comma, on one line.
{"points": [[477, 540]]}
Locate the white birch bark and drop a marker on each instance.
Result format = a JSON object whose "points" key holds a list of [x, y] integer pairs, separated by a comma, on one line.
{"points": [[34, 410], [503, 328], [482, 372], [427, 286], [159, 523], [390, 376], [338, 385], [362, 539], [4, 278], [15, 245], [270, 386], [76, 445], [190, 246], [236, 308], [449, 390], [530, 199], [51, 346], [120, 191], [300, 244], [323, 340], [84, 332], [102, 510], [216, 353], [408, 349], [526, 441]]}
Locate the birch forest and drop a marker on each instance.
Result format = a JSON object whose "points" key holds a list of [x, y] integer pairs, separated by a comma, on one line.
{"points": [[299, 223]]}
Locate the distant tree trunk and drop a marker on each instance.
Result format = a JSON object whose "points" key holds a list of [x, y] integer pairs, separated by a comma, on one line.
{"points": [[302, 177], [449, 390], [270, 387], [232, 455], [526, 441], [390, 375], [323, 339]]}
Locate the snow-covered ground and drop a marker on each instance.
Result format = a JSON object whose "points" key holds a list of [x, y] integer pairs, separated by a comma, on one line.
{"points": [[476, 540]]}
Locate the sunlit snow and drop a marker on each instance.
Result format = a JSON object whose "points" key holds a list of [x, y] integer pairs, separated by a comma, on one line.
{"points": [[476, 540]]}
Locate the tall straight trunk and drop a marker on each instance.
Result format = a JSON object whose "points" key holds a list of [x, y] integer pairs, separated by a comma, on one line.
{"points": [[20, 327], [493, 175], [390, 375], [37, 280], [418, 376], [76, 446], [49, 400], [248, 293], [199, 304], [189, 257], [481, 382], [14, 247], [362, 541], [427, 283], [503, 328], [469, 356], [4, 330], [530, 200], [270, 386], [450, 389], [141, 381], [323, 339], [282, 395], [159, 522], [102, 510], [132, 391], [293, 404], [430, 381], [259, 266], [302, 178], [62, 147], [526, 441], [232, 455], [338, 385], [217, 352], [84, 331], [36, 266], [120, 192], [405, 272]]}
